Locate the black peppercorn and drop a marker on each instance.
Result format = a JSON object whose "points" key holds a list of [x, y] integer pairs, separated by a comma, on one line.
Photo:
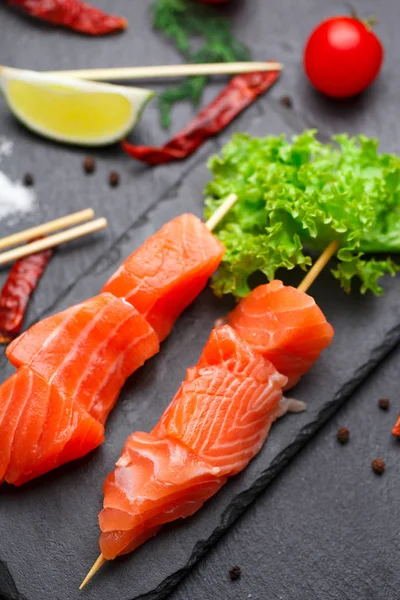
{"points": [[114, 179], [235, 573], [343, 435], [384, 403], [29, 180], [89, 165], [378, 466], [286, 101]]}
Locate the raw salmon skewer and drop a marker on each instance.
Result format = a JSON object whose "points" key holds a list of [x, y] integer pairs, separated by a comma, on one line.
{"points": [[218, 420], [214, 426], [72, 365]]}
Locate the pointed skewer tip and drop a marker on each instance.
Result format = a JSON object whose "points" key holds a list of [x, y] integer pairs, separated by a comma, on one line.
{"points": [[97, 565]]}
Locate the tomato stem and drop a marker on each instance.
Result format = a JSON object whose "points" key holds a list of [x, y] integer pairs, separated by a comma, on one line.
{"points": [[353, 12], [369, 21]]}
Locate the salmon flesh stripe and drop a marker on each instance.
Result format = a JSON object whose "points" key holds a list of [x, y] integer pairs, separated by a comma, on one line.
{"points": [[164, 275], [88, 351], [214, 426], [285, 326]]}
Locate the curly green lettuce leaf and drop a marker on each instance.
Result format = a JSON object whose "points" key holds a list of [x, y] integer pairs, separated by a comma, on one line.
{"points": [[368, 271], [299, 195]]}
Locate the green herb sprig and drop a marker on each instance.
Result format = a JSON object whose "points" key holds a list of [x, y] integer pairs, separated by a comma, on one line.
{"points": [[300, 195], [182, 21]]}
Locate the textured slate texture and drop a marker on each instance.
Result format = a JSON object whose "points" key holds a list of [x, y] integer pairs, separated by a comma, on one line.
{"points": [[48, 529], [61, 504]]}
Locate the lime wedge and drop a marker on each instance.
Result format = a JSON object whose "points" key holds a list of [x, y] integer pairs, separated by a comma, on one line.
{"points": [[71, 110]]}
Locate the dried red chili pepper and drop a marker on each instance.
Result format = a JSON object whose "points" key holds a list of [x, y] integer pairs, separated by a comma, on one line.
{"points": [[240, 92], [73, 14], [14, 297]]}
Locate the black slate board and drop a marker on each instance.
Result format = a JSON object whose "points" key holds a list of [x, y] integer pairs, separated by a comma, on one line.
{"points": [[57, 513], [48, 533]]}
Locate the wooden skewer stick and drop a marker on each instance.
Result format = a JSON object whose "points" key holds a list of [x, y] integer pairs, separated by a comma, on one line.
{"points": [[46, 228], [54, 240], [318, 266], [210, 224], [97, 565], [130, 73], [221, 211]]}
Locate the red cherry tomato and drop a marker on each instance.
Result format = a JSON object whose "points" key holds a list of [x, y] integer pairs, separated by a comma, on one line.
{"points": [[342, 57]]}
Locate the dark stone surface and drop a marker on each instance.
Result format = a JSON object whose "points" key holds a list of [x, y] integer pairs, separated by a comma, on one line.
{"points": [[48, 528]]}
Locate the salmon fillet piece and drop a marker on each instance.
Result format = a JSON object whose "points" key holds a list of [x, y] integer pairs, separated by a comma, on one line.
{"points": [[224, 409], [88, 351], [164, 275], [285, 326], [214, 426], [155, 481], [41, 429]]}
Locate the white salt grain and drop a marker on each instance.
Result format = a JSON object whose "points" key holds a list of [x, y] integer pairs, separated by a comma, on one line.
{"points": [[6, 147], [15, 199]]}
